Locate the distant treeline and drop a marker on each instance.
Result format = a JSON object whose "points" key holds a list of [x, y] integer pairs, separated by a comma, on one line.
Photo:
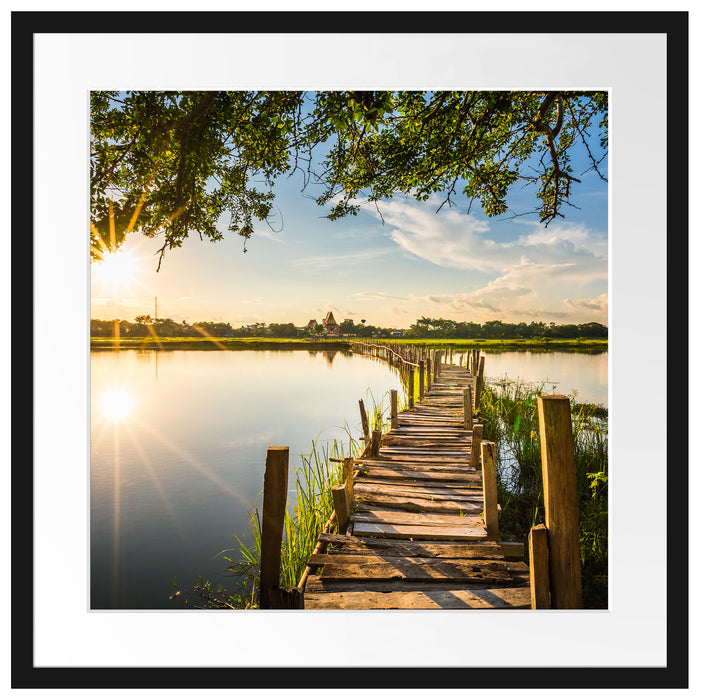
{"points": [[443, 328], [144, 326]]}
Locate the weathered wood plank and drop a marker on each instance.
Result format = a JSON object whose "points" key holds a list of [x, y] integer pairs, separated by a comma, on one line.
{"points": [[501, 598], [429, 459], [427, 532], [466, 571], [421, 505], [379, 515], [317, 584], [458, 466], [414, 478], [352, 545], [419, 487]]}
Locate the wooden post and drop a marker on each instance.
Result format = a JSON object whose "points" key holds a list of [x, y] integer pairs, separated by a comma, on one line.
{"points": [[275, 493], [364, 421], [347, 471], [560, 501], [429, 371], [375, 443], [341, 507], [475, 446], [479, 382], [439, 354], [467, 409], [410, 388], [421, 379], [487, 452], [393, 408], [538, 568], [286, 598]]}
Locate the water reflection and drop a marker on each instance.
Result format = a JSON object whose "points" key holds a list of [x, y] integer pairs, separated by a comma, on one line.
{"points": [[117, 403]]}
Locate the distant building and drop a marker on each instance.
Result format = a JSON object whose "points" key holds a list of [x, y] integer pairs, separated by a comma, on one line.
{"points": [[312, 325], [330, 326]]}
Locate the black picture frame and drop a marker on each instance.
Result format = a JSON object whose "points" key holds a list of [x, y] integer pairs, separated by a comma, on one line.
{"points": [[25, 25]]}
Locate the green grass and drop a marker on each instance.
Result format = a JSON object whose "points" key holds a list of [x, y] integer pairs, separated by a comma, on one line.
{"points": [[267, 341], [226, 343], [553, 343]]}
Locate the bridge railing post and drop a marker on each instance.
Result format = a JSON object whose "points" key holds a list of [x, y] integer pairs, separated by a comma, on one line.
{"points": [[487, 452], [393, 408], [375, 443], [410, 388], [364, 421], [475, 446], [560, 501], [538, 568], [421, 379], [342, 507], [467, 409], [275, 493]]}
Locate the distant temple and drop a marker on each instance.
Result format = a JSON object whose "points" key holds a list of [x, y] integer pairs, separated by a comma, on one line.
{"points": [[330, 325]]}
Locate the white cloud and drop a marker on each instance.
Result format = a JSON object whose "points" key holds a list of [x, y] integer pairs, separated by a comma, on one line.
{"points": [[342, 261], [451, 239]]}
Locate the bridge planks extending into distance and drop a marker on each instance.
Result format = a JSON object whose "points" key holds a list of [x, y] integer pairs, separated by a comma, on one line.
{"points": [[416, 535]]}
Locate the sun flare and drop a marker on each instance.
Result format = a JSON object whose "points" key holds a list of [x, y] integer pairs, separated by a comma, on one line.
{"points": [[117, 403], [116, 271]]}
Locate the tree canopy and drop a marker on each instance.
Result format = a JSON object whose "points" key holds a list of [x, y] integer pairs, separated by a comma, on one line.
{"points": [[175, 163]]}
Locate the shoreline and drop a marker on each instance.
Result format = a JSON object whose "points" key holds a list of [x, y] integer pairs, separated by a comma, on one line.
{"points": [[336, 343]]}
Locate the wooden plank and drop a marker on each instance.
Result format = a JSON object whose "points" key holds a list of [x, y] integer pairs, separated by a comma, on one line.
{"points": [[459, 466], [426, 487], [419, 442], [426, 532], [500, 598], [352, 545], [317, 584], [380, 515], [467, 479], [421, 505], [464, 571]]}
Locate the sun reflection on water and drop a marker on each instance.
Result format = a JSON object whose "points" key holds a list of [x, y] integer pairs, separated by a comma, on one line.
{"points": [[117, 403]]}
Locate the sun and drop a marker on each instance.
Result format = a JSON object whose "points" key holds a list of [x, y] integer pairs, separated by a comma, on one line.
{"points": [[117, 403], [116, 270]]}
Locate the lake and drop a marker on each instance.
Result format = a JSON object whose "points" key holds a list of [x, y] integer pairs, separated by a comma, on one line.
{"points": [[178, 446]]}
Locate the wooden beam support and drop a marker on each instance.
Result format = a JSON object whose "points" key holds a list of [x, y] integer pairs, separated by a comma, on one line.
{"points": [[410, 388], [560, 501], [487, 450], [341, 507], [364, 421], [467, 409], [538, 568], [275, 493], [475, 446]]}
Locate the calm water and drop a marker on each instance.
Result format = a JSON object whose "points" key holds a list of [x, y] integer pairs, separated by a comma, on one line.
{"points": [[179, 439]]}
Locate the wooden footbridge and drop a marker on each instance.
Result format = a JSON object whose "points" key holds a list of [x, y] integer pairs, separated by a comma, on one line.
{"points": [[415, 523]]}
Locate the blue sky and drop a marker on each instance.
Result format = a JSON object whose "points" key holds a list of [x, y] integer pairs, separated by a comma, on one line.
{"points": [[415, 262]]}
